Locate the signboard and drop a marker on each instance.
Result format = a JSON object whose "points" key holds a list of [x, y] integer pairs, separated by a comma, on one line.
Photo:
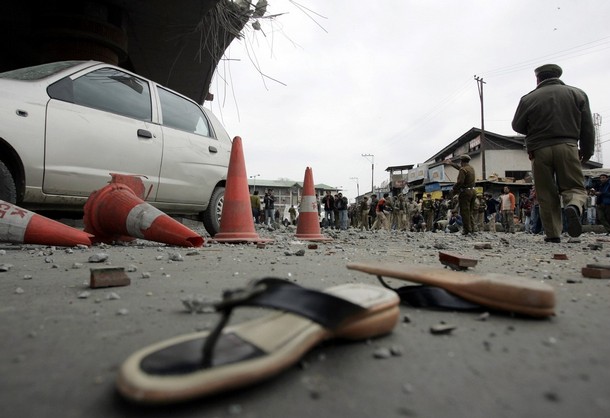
{"points": [[437, 173]]}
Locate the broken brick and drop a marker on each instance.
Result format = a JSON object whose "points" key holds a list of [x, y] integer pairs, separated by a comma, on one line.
{"points": [[560, 256], [456, 262], [595, 273], [108, 277]]}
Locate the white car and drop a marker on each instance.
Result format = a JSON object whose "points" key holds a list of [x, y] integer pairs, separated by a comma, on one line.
{"points": [[65, 126]]}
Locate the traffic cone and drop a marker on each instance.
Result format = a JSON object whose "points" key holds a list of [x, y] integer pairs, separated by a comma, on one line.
{"points": [[135, 183], [236, 223], [308, 225], [115, 213], [18, 225]]}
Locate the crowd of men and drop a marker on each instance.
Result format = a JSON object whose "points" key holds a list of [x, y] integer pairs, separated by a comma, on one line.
{"points": [[428, 214]]}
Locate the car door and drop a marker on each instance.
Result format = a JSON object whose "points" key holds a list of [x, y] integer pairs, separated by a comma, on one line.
{"points": [[194, 161], [97, 123]]}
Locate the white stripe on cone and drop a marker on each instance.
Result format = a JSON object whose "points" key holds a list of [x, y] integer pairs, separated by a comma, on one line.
{"points": [[308, 204], [13, 222], [140, 218]]}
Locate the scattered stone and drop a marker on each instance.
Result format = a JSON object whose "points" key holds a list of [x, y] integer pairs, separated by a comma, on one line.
{"points": [[442, 329], [595, 247], [300, 253], [482, 246], [112, 296], [159, 257], [145, 275], [176, 257], [382, 353], [406, 319], [77, 265], [27, 277], [573, 281], [483, 317], [122, 311], [5, 267], [98, 258], [551, 396], [19, 291], [84, 295], [131, 268], [396, 350], [48, 260], [197, 304]]}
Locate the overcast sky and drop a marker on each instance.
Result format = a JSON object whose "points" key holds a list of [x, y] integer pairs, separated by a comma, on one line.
{"points": [[395, 79]]}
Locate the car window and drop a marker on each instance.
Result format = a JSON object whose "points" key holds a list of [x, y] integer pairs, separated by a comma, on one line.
{"points": [[39, 71], [114, 91], [182, 114]]}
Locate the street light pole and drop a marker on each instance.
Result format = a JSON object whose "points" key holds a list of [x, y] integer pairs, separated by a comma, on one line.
{"points": [[254, 185], [357, 185], [372, 160]]}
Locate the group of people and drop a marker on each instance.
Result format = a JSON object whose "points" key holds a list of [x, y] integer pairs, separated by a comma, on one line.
{"points": [[559, 136]]}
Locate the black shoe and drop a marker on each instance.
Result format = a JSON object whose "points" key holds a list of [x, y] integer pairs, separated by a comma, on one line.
{"points": [[553, 240], [573, 216]]}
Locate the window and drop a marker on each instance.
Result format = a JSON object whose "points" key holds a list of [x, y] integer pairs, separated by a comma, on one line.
{"points": [[39, 71], [107, 89], [182, 114]]}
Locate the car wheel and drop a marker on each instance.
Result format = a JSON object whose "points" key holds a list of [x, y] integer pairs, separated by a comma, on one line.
{"points": [[8, 190], [211, 216]]}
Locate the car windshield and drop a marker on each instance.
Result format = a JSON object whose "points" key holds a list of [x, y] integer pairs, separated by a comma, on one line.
{"points": [[39, 71]]}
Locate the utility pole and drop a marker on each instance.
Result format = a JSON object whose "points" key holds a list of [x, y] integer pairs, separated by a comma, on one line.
{"points": [[597, 123], [480, 83], [357, 185], [372, 160]]}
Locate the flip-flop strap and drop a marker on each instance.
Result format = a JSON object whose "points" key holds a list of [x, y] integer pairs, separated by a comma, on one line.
{"points": [[424, 296], [323, 308]]}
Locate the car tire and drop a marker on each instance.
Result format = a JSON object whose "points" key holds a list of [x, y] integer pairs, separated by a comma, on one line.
{"points": [[211, 216], [8, 189]]}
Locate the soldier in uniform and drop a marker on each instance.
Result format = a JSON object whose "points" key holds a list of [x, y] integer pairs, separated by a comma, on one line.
{"points": [[427, 208], [464, 189]]}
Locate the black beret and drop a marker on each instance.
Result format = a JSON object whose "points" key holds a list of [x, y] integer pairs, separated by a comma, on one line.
{"points": [[549, 68]]}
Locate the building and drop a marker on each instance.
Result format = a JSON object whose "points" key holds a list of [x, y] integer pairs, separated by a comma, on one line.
{"points": [[498, 161]]}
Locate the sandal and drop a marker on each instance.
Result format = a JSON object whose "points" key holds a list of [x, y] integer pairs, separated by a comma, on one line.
{"points": [[226, 358], [460, 291]]}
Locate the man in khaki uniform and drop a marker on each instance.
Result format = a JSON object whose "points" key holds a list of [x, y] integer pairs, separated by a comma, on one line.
{"points": [[464, 188], [559, 135]]}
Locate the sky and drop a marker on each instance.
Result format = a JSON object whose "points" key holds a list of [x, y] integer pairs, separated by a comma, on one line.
{"points": [[324, 82]]}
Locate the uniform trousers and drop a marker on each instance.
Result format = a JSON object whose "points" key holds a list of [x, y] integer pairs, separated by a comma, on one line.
{"points": [[557, 172]]}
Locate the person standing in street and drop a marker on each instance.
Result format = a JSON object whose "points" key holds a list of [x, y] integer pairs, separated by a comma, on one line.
{"points": [[269, 201], [556, 120], [464, 189], [507, 210], [255, 203], [603, 202]]}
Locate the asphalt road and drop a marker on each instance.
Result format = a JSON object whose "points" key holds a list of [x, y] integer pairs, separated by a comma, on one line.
{"points": [[62, 342]]}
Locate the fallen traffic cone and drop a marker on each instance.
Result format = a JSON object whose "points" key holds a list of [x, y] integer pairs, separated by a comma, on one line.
{"points": [[236, 223], [115, 213], [18, 225], [308, 225], [135, 183]]}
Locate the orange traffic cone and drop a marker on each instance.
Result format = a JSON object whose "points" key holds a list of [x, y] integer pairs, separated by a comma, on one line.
{"points": [[135, 183], [236, 222], [308, 225], [18, 225], [115, 213]]}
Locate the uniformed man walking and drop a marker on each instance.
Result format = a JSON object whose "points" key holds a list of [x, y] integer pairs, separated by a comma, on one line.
{"points": [[467, 195]]}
